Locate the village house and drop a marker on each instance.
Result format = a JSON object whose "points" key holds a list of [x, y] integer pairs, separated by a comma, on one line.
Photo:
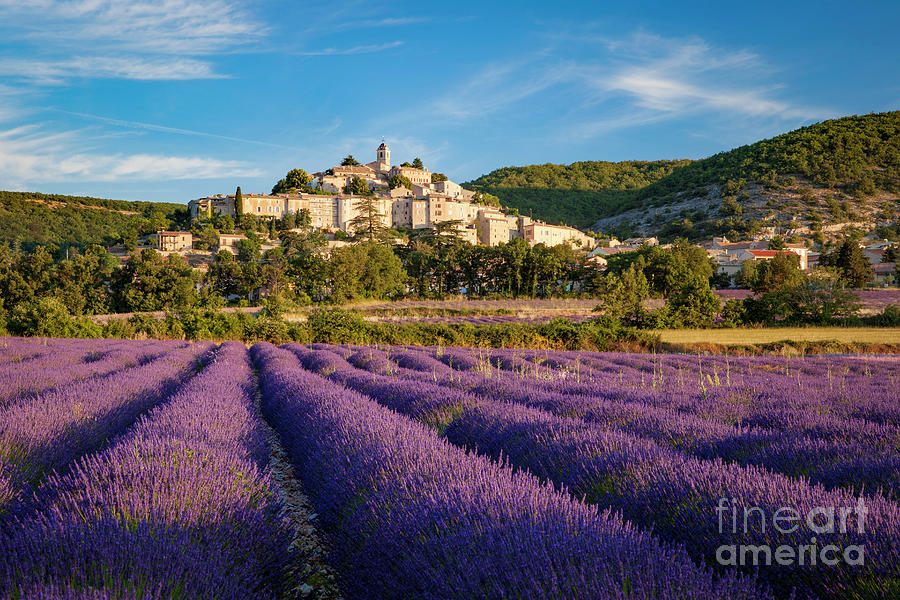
{"points": [[229, 241], [174, 241]]}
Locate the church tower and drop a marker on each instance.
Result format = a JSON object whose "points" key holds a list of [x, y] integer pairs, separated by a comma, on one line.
{"points": [[384, 155]]}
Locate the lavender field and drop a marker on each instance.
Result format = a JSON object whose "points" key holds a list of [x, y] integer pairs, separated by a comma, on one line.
{"points": [[147, 469]]}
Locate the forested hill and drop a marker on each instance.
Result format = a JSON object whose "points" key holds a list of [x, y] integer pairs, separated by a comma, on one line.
{"points": [[858, 156], [572, 194], [30, 218]]}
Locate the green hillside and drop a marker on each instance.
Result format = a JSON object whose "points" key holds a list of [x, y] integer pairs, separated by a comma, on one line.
{"points": [[573, 194], [30, 219], [858, 155]]}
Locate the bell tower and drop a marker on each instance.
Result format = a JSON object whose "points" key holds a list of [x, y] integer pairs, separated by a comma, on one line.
{"points": [[383, 155]]}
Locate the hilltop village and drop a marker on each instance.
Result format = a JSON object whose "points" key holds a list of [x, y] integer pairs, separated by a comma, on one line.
{"points": [[407, 197]]}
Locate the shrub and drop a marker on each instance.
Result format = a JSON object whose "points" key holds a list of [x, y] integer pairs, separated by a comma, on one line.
{"points": [[336, 326], [50, 318]]}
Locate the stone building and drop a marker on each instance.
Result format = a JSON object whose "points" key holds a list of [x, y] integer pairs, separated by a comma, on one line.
{"points": [[552, 235], [174, 241]]}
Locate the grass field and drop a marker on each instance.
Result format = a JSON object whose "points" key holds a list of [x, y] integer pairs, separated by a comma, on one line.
{"points": [[744, 336]]}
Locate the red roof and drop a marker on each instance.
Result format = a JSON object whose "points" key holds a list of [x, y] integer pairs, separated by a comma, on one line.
{"points": [[768, 253]]}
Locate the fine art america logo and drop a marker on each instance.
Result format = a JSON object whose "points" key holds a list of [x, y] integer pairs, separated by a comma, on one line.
{"points": [[802, 538]]}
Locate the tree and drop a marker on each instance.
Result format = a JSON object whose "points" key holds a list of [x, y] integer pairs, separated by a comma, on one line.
{"points": [[782, 271], [307, 266], [623, 295], [224, 223], [514, 253], [851, 263], [357, 187], [149, 282], [294, 180], [82, 281], [777, 243], [368, 224], [819, 299], [289, 220], [417, 163], [349, 161], [693, 305], [224, 275], [437, 177], [399, 180], [207, 237], [369, 270], [304, 219], [239, 201]]}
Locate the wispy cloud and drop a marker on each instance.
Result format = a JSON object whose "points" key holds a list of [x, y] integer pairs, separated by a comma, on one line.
{"points": [[57, 72], [57, 41], [366, 49], [682, 76], [632, 81], [165, 129], [500, 85], [382, 22], [30, 155], [164, 27]]}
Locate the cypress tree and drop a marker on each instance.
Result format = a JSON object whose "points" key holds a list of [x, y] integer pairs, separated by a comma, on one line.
{"points": [[238, 202]]}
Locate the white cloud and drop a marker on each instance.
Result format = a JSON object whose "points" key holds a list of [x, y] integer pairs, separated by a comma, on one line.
{"points": [[164, 129], [366, 49], [56, 41], [163, 27], [56, 72], [500, 85], [382, 22], [29, 155], [680, 76], [630, 81]]}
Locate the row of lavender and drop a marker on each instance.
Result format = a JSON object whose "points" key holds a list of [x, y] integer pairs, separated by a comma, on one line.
{"points": [[678, 495], [410, 515], [800, 430], [47, 431], [177, 506]]}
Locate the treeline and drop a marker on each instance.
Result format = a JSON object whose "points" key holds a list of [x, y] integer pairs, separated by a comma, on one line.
{"points": [[31, 219], [432, 264], [49, 317], [785, 295]]}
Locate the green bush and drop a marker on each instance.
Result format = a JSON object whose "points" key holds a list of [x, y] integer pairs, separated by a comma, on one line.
{"points": [[889, 317], [337, 326], [49, 317]]}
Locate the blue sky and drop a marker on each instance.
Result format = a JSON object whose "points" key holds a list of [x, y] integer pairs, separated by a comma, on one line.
{"points": [[175, 99]]}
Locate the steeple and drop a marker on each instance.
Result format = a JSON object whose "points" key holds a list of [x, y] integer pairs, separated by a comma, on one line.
{"points": [[383, 155]]}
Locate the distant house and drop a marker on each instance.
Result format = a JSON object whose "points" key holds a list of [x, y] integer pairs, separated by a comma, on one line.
{"points": [[884, 272], [760, 255], [875, 255], [229, 241], [552, 235], [174, 241]]}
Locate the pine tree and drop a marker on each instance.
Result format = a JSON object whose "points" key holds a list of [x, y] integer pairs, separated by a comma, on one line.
{"points": [[854, 266], [367, 224]]}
